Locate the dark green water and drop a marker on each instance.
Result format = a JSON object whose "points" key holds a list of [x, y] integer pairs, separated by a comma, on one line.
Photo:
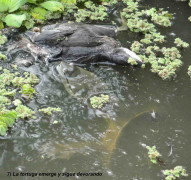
{"points": [[77, 143]]}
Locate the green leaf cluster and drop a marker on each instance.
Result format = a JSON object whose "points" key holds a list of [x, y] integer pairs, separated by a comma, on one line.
{"points": [[11, 84], [7, 119], [153, 154], [160, 17], [91, 12], [11, 5], [29, 12], [3, 57], [171, 174], [27, 90], [17, 13], [50, 110], [3, 39], [132, 61], [99, 101], [163, 61], [180, 43], [24, 112], [175, 173]]}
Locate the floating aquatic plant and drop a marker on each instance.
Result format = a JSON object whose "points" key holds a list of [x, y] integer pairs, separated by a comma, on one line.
{"points": [[99, 101], [3, 39], [160, 17], [163, 61], [91, 12], [11, 83], [180, 43], [50, 110], [153, 154], [17, 102], [136, 46], [189, 71], [132, 61], [27, 90], [175, 173], [7, 119], [24, 112], [3, 57]]}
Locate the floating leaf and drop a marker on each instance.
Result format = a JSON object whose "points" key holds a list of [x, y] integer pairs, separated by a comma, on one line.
{"points": [[15, 20], [52, 6]]}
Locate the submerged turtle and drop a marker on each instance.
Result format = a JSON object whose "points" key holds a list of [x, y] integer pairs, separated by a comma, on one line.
{"points": [[77, 43]]}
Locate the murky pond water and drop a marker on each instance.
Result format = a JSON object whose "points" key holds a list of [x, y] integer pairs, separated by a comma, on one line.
{"points": [[145, 110]]}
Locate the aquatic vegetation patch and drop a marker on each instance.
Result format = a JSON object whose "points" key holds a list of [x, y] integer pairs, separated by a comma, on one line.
{"points": [[12, 85], [3, 57], [50, 110], [24, 112], [180, 43], [91, 12], [27, 13], [99, 101], [146, 22], [3, 39], [132, 61], [160, 16], [175, 173], [171, 174], [7, 119], [163, 61], [153, 154], [27, 90]]}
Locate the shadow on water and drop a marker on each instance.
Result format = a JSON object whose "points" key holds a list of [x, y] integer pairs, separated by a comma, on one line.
{"points": [[144, 111]]}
